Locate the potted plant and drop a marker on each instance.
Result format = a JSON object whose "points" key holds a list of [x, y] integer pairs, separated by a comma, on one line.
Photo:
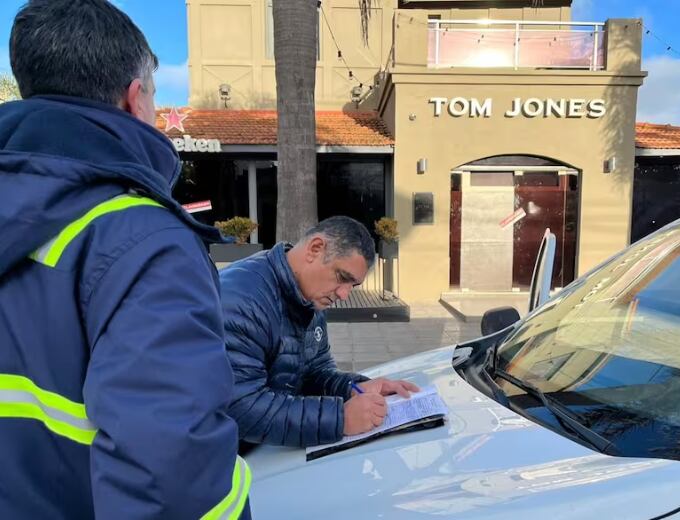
{"points": [[240, 229], [388, 245]]}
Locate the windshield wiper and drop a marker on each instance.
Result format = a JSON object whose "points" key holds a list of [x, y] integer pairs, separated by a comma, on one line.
{"points": [[558, 410]]}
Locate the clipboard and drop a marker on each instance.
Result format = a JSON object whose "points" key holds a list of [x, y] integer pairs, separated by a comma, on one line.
{"points": [[423, 410]]}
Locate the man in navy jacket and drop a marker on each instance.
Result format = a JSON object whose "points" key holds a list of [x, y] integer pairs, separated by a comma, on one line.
{"points": [[114, 383], [288, 389]]}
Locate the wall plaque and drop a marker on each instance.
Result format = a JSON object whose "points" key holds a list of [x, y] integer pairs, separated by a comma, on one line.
{"points": [[423, 208]]}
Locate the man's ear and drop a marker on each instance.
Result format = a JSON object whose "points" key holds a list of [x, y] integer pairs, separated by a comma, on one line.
{"points": [[132, 101], [316, 247]]}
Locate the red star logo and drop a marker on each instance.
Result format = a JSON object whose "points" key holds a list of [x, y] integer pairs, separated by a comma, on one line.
{"points": [[174, 119]]}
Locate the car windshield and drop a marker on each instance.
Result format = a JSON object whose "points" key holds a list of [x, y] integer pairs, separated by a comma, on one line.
{"points": [[607, 348]]}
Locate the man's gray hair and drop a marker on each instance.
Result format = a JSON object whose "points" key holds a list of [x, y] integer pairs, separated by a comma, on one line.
{"points": [[82, 48], [344, 236]]}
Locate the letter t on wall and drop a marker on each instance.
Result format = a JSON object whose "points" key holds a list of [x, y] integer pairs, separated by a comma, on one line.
{"points": [[439, 102]]}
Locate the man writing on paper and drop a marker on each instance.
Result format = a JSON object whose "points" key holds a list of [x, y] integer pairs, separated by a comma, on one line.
{"points": [[288, 389]]}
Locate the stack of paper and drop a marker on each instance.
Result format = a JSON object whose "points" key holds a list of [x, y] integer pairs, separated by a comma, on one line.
{"points": [[421, 408]]}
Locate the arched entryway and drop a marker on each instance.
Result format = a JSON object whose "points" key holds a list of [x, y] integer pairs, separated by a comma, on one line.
{"points": [[500, 207]]}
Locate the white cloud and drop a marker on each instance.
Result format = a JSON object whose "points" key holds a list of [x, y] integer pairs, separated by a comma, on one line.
{"points": [[659, 97], [172, 84], [172, 76]]}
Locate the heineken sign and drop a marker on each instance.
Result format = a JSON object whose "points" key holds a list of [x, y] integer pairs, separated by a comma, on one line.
{"points": [[174, 119], [529, 108], [186, 143]]}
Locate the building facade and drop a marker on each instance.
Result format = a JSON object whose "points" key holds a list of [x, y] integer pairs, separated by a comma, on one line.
{"points": [[476, 124]]}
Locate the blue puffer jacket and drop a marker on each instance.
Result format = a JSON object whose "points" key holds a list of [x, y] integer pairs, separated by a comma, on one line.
{"points": [[114, 383], [288, 389]]}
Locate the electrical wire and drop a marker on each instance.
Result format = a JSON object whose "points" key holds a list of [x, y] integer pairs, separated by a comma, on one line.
{"points": [[337, 46]]}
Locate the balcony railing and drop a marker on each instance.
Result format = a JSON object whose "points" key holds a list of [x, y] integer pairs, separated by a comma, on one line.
{"points": [[516, 44]]}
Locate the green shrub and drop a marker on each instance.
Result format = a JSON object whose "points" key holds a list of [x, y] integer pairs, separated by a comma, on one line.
{"points": [[238, 227], [386, 228]]}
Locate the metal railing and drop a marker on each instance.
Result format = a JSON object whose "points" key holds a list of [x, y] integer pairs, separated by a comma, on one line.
{"points": [[516, 44]]}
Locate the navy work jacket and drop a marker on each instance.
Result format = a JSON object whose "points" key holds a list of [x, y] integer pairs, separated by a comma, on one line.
{"points": [[114, 383], [288, 388]]}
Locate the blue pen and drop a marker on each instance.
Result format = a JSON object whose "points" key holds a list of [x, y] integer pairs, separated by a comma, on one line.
{"points": [[356, 388]]}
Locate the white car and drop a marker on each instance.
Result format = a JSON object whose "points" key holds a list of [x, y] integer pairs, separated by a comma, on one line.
{"points": [[570, 413]]}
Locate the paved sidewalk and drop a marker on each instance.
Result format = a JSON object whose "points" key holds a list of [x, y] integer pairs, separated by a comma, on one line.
{"points": [[356, 346]]}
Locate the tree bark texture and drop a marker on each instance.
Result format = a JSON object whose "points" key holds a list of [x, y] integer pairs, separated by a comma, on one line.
{"points": [[295, 34]]}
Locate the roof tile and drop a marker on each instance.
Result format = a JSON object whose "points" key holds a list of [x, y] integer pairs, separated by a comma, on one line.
{"points": [[253, 127], [649, 135]]}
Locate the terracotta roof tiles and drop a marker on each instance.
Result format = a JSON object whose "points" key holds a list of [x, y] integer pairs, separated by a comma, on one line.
{"points": [[649, 135], [259, 127]]}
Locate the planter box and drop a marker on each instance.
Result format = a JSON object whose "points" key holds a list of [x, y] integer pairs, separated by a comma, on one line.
{"points": [[232, 252], [388, 250]]}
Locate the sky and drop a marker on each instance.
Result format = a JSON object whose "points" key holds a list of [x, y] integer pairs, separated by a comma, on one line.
{"points": [[165, 26], [164, 22]]}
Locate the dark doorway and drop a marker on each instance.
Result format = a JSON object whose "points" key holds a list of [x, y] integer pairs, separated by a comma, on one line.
{"points": [[656, 194], [353, 187], [218, 180], [349, 185], [266, 203], [455, 222]]}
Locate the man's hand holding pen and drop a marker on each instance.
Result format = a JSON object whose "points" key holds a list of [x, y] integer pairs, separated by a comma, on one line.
{"points": [[366, 409]]}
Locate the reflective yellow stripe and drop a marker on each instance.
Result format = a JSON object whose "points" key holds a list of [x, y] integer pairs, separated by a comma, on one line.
{"points": [[21, 383], [231, 507], [51, 252], [22, 398], [236, 513], [31, 411]]}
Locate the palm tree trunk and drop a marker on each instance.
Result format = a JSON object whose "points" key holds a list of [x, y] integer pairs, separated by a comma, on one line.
{"points": [[295, 59]]}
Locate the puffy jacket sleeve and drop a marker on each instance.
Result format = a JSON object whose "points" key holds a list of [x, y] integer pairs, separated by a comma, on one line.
{"points": [[159, 383], [265, 415], [322, 376]]}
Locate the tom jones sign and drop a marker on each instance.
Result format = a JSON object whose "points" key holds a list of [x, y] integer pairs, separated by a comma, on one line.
{"points": [[530, 107]]}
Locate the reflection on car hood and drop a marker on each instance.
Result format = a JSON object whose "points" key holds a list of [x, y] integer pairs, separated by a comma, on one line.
{"points": [[487, 462]]}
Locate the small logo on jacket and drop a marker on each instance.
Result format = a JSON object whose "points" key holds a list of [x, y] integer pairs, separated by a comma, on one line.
{"points": [[318, 334]]}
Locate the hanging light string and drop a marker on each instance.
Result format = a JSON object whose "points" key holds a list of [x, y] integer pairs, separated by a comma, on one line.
{"points": [[648, 32], [341, 57]]}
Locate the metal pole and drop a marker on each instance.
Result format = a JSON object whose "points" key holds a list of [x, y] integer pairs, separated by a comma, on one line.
{"points": [[252, 198], [595, 48], [383, 278]]}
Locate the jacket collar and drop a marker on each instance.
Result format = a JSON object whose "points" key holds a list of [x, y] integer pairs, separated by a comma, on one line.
{"points": [[298, 306], [60, 156]]}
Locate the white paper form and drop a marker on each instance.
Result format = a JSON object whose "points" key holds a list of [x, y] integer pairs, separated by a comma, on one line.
{"points": [[400, 411]]}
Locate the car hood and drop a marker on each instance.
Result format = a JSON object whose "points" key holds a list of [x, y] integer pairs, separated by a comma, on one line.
{"points": [[486, 462]]}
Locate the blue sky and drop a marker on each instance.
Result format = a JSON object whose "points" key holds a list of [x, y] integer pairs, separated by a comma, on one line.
{"points": [[164, 23], [659, 97]]}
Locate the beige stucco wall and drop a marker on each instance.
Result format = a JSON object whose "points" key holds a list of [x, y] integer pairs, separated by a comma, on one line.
{"points": [[562, 14], [227, 44], [448, 142]]}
